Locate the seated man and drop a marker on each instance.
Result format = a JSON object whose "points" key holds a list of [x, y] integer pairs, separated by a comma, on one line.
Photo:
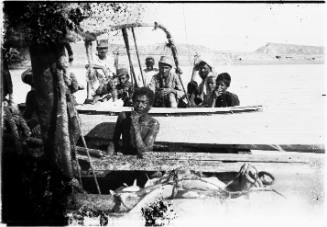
{"points": [[100, 71], [125, 87], [221, 97], [137, 128], [166, 85]]}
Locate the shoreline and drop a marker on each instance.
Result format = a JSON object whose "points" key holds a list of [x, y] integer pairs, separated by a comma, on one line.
{"points": [[81, 65]]}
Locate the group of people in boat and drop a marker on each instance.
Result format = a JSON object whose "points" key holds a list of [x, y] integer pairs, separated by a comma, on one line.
{"points": [[163, 88], [103, 84]]}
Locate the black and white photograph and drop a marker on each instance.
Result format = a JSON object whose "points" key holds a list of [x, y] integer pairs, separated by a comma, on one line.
{"points": [[163, 113]]}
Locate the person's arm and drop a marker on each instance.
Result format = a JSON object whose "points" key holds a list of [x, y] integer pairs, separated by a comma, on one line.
{"points": [[178, 88], [152, 84], [69, 51], [118, 131], [234, 100], [144, 144]]}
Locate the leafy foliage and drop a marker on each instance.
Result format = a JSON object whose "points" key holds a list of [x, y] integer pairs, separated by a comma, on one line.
{"points": [[51, 22]]}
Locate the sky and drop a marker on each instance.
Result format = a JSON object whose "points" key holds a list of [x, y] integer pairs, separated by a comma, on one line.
{"points": [[234, 26]]}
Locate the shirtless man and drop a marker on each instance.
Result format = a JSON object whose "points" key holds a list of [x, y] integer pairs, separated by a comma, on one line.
{"points": [[137, 128]]}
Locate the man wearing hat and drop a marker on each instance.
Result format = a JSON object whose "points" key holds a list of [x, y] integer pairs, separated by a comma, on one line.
{"points": [[198, 92], [149, 71], [101, 69], [166, 85]]}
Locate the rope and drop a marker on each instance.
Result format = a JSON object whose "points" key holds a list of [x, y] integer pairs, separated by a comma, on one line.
{"points": [[87, 152]]}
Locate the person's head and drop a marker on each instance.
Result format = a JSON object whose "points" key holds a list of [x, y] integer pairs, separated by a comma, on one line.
{"points": [[142, 99], [114, 81], [27, 77], [165, 65], [149, 62], [223, 81], [123, 75], [211, 83], [204, 69], [63, 62], [102, 48]]}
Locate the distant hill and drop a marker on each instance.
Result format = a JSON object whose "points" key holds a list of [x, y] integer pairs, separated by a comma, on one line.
{"points": [[289, 49], [270, 53]]}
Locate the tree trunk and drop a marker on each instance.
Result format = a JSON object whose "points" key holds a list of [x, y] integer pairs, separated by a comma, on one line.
{"points": [[52, 106]]}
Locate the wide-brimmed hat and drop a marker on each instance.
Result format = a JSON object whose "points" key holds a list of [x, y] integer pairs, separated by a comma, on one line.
{"points": [[102, 44], [122, 71], [165, 60], [27, 76]]}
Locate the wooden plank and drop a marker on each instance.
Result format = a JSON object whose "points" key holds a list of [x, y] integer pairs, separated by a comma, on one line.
{"points": [[310, 148], [276, 157], [128, 164], [158, 111], [161, 161]]}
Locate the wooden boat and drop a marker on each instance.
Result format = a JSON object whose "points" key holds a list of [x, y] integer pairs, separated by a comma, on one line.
{"points": [[234, 128]]}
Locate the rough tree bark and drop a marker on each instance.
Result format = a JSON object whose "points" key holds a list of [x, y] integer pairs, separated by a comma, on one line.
{"points": [[52, 106]]}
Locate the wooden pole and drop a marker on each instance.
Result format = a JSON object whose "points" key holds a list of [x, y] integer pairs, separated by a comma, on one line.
{"points": [[138, 56], [174, 53], [89, 55], [125, 36]]}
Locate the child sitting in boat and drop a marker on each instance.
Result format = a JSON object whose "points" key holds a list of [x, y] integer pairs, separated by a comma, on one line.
{"points": [[211, 87], [221, 97], [118, 89], [107, 91]]}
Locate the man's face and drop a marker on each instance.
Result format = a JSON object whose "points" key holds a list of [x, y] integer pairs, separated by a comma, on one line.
{"points": [[123, 79], [204, 71], [149, 64], [141, 104], [102, 53], [221, 86], [164, 70]]}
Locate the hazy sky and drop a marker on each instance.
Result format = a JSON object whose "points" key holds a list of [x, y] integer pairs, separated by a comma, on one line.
{"points": [[243, 27]]}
